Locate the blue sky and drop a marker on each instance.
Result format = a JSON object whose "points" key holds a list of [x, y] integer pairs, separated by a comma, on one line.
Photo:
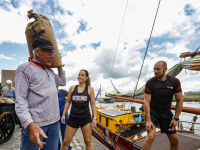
{"points": [[87, 32]]}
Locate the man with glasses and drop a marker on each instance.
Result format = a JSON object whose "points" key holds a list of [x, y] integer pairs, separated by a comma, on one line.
{"points": [[36, 98]]}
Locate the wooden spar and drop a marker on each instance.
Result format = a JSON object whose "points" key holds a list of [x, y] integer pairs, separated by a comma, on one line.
{"points": [[187, 54], [185, 109], [100, 96], [126, 99]]}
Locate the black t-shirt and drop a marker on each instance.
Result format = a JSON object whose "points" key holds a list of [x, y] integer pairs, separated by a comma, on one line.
{"points": [[80, 104], [162, 92]]}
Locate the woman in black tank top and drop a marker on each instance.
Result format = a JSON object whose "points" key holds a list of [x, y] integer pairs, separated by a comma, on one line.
{"points": [[80, 96]]}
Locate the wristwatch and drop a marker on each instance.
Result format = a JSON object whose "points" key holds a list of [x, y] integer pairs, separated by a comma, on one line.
{"points": [[177, 119], [95, 118]]}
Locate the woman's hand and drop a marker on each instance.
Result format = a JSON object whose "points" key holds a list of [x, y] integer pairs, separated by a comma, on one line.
{"points": [[63, 119], [94, 123]]}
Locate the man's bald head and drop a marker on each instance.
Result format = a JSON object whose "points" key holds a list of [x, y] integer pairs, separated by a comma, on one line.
{"points": [[159, 70], [162, 63]]}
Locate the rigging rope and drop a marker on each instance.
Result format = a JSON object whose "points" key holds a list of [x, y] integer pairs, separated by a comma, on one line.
{"points": [[144, 55], [146, 49], [145, 52], [118, 40]]}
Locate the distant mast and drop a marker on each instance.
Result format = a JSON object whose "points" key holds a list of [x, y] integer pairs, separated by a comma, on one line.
{"points": [[100, 96]]}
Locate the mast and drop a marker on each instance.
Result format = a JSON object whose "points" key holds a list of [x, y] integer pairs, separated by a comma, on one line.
{"points": [[100, 96]]}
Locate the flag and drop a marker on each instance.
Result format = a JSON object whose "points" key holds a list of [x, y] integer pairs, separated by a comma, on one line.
{"points": [[97, 94]]}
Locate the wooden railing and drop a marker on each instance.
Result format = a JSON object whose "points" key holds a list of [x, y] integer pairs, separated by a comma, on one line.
{"points": [[173, 107]]}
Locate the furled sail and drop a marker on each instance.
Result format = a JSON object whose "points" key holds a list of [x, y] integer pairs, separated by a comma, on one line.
{"points": [[190, 64]]}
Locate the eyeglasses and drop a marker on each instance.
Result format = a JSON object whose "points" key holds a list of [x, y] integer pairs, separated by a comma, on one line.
{"points": [[49, 52]]}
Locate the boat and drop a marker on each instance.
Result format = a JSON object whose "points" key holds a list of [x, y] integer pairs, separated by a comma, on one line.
{"points": [[108, 99], [120, 129], [125, 130]]}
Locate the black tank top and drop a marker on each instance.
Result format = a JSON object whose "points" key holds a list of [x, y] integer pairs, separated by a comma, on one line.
{"points": [[80, 103]]}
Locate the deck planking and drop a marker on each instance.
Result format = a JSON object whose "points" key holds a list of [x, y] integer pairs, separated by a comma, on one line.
{"points": [[187, 141]]}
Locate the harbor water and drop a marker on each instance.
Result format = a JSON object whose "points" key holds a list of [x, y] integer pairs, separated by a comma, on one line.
{"points": [[188, 117]]}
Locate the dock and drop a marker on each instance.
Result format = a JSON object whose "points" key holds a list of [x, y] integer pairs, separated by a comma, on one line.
{"points": [[187, 141], [77, 142]]}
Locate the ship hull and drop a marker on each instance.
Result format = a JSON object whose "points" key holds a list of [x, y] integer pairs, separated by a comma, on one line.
{"points": [[112, 140]]}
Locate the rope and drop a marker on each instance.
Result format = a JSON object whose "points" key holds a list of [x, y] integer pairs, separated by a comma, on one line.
{"points": [[118, 41], [146, 49], [144, 55]]}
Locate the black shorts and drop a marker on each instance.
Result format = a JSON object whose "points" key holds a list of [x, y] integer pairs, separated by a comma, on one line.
{"points": [[162, 119], [78, 122]]}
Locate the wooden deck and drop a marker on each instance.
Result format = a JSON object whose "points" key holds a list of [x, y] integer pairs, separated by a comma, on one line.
{"points": [[187, 141]]}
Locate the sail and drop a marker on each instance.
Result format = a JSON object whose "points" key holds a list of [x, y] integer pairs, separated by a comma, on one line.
{"points": [[190, 64]]}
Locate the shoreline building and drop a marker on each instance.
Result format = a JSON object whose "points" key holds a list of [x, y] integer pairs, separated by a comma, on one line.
{"points": [[185, 93], [7, 74]]}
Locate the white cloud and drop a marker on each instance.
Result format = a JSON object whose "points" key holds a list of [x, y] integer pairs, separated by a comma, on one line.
{"points": [[190, 86], [159, 46], [103, 25], [21, 62], [60, 47], [5, 57], [14, 20], [103, 21]]}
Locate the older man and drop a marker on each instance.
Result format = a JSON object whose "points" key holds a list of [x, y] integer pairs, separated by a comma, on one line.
{"points": [[158, 96], [36, 98]]}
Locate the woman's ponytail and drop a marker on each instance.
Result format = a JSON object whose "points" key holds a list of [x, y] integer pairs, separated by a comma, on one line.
{"points": [[87, 82]]}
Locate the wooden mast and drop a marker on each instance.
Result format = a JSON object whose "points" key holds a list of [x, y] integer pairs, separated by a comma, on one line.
{"points": [[100, 96], [173, 107]]}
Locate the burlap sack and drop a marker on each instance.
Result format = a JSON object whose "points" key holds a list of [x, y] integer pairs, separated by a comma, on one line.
{"points": [[41, 28], [4, 93], [7, 100], [1, 101]]}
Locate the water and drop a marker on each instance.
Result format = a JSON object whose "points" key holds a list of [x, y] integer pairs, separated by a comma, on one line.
{"points": [[183, 116]]}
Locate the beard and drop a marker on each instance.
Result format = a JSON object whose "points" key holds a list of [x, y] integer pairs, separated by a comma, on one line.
{"points": [[160, 76]]}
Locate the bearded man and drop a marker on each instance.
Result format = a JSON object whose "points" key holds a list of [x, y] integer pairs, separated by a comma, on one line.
{"points": [[158, 96]]}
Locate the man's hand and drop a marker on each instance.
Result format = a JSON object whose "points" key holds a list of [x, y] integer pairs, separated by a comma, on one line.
{"points": [[149, 126], [60, 68], [63, 119], [35, 132], [173, 124]]}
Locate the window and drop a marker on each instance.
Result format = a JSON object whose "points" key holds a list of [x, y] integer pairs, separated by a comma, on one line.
{"points": [[107, 122], [100, 118]]}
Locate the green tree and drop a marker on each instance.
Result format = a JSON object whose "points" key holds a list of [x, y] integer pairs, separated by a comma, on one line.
{"points": [[0, 88]]}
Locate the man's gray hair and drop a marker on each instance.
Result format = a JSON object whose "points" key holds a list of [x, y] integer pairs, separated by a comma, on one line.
{"points": [[34, 51]]}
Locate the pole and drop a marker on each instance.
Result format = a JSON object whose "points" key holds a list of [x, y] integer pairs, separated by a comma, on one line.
{"points": [[173, 107], [100, 96]]}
